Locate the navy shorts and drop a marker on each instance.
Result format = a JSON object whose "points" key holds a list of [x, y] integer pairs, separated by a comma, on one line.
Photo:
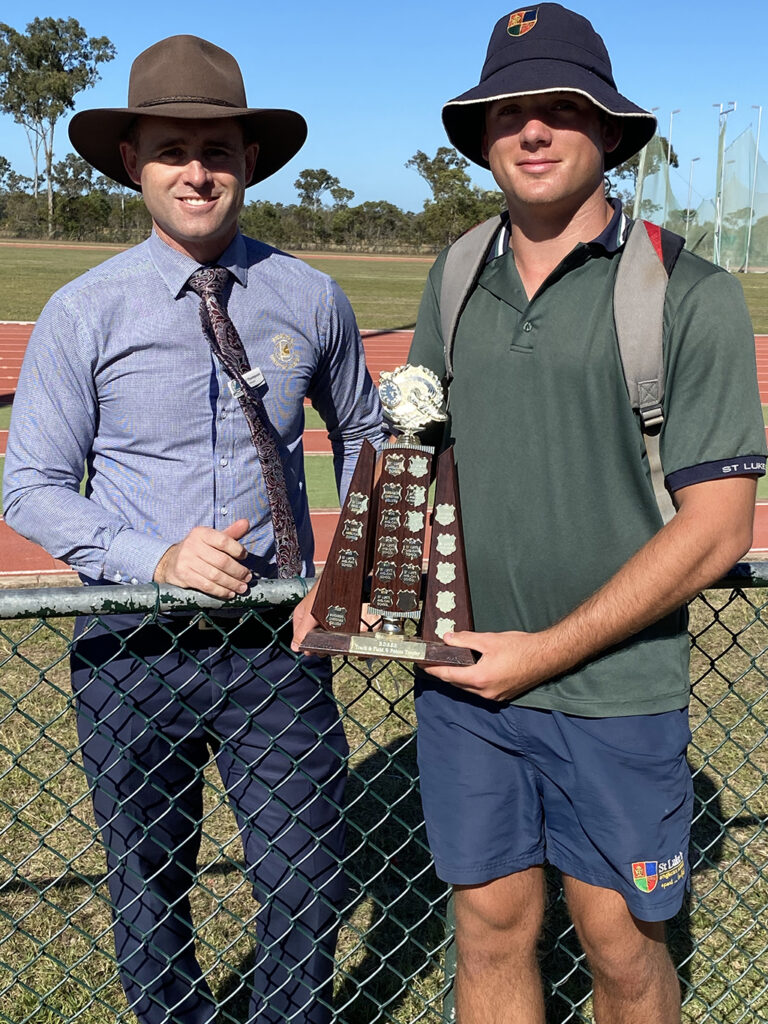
{"points": [[606, 800]]}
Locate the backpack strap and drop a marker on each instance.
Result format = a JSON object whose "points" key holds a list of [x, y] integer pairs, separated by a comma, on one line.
{"points": [[463, 265], [649, 256]]}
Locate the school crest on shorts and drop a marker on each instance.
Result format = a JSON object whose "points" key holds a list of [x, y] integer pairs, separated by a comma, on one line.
{"points": [[522, 21], [284, 352], [645, 874]]}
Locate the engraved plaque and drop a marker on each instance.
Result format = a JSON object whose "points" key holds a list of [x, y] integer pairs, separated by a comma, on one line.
{"points": [[410, 574], [376, 646], [337, 616], [387, 546], [394, 464], [414, 521], [348, 559], [382, 598], [391, 494], [385, 571], [358, 503], [418, 466], [415, 495], [390, 519], [352, 530], [412, 548]]}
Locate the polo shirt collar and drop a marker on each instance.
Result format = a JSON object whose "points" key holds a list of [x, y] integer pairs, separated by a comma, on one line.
{"points": [[175, 268], [500, 276], [614, 235], [611, 238]]}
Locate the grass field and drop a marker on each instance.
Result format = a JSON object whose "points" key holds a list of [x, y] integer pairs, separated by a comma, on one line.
{"points": [[756, 293], [30, 274], [384, 294]]}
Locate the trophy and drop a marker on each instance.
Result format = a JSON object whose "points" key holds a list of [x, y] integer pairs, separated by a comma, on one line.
{"points": [[382, 532]]}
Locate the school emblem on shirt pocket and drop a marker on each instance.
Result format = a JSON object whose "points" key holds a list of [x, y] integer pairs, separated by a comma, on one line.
{"points": [[284, 352]]}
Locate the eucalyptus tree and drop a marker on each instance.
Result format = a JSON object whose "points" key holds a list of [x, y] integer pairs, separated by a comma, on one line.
{"points": [[41, 71]]}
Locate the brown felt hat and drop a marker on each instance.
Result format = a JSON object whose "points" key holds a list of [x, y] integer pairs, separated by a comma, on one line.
{"points": [[184, 76]]}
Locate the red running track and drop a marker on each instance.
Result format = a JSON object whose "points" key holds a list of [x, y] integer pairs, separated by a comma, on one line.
{"points": [[383, 350]]}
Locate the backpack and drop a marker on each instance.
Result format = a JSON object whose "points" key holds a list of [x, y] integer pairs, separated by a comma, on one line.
{"points": [[650, 253]]}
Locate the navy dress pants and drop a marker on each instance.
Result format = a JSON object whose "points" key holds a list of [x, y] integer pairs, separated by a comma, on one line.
{"points": [[153, 705]]}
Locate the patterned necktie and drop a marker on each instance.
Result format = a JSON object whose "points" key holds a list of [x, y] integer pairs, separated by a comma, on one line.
{"points": [[209, 283]]}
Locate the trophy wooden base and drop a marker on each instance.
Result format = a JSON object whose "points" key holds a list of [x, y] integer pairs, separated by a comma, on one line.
{"points": [[391, 648]]}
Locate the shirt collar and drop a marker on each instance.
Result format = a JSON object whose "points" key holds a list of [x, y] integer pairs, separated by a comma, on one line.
{"points": [[613, 235], [611, 238], [175, 268]]}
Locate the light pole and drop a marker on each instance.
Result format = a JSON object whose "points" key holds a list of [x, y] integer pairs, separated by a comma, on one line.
{"points": [[640, 177], [669, 159], [669, 137], [690, 193], [722, 120], [754, 185]]}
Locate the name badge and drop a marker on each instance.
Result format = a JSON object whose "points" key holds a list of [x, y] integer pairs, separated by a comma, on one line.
{"points": [[254, 378]]}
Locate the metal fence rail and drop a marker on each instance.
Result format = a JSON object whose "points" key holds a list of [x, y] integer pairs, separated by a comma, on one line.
{"points": [[393, 959]]}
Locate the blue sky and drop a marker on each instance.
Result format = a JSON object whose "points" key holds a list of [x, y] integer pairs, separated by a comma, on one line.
{"points": [[371, 78]]}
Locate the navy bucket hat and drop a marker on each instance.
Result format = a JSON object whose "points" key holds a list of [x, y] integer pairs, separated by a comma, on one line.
{"points": [[545, 48]]}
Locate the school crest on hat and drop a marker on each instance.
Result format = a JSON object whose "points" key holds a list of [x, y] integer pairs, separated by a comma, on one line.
{"points": [[523, 21], [645, 874]]}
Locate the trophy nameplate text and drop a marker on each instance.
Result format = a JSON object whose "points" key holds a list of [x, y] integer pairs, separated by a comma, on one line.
{"points": [[382, 532]]}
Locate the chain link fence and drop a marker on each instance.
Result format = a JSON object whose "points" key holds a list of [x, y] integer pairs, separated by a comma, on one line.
{"points": [[394, 954]]}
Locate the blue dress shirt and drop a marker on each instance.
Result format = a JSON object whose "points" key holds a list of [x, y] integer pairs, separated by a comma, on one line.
{"points": [[119, 379]]}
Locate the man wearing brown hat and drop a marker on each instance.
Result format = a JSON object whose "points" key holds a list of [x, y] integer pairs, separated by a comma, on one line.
{"points": [[566, 741], [177, 372]]}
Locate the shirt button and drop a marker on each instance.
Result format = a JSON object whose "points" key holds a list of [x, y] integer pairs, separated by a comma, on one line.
{"points": [[527, 326], [224, 414], [134, 581], [223, 462], [224, 510]]}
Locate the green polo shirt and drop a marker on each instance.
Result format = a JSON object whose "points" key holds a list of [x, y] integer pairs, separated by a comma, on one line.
{"points": [[553, 475]]}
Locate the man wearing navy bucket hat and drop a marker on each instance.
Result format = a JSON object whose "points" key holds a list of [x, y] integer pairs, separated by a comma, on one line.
{"points": [[566, 742]]}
